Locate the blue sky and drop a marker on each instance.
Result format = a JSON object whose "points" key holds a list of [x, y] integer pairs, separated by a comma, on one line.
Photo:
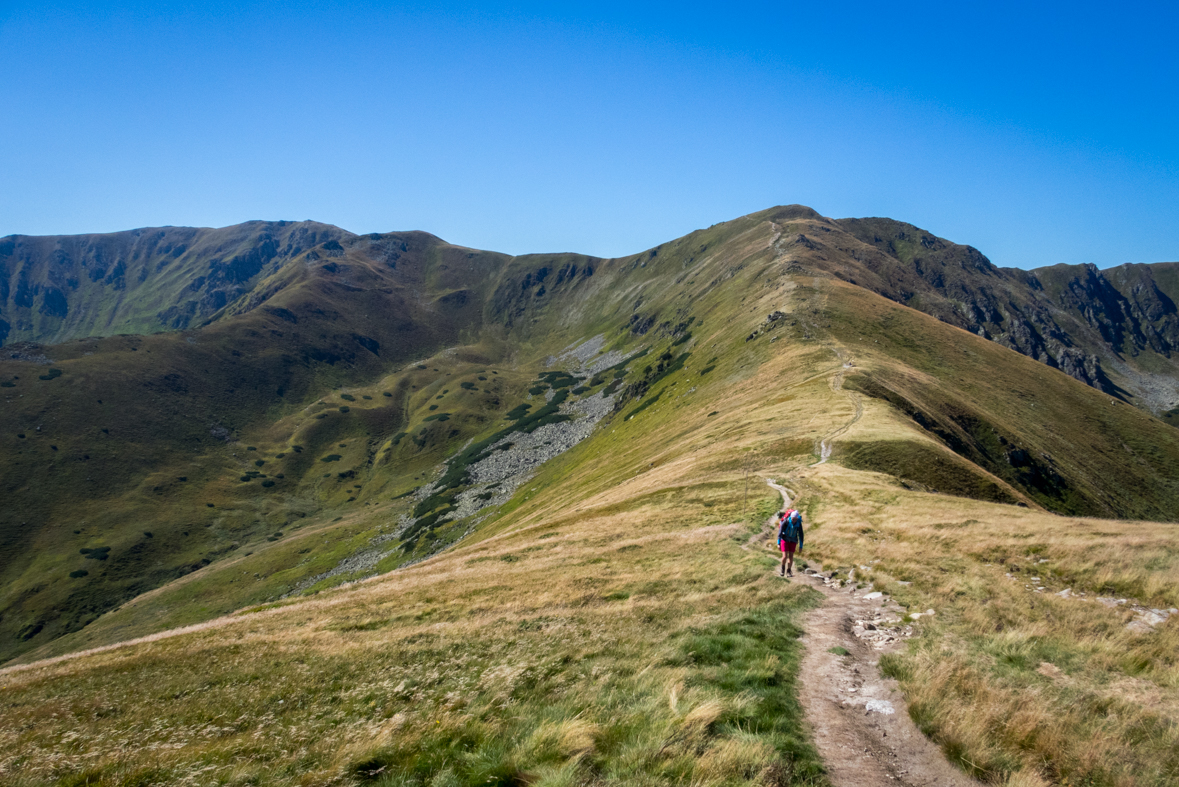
{"points": [[1039, 133]]}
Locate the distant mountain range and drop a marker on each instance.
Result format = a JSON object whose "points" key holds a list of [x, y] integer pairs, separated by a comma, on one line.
{"points": [[1116, 330]]}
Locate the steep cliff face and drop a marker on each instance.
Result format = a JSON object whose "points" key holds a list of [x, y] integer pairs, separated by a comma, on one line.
{"points": [[1126, 304], [1075, 318], [57, 288]]}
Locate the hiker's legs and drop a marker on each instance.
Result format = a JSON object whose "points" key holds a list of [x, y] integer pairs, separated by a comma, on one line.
{"points": [[782, 569]]}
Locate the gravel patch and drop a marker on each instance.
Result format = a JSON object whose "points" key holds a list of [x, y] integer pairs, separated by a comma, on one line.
{"points": [[512, 462], [586, 358], [515, 458]]}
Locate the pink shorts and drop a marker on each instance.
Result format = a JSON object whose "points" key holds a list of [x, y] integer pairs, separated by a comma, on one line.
{"points": [[787, 546]]}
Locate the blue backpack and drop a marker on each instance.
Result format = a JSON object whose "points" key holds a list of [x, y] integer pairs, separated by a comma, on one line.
{"points": [[791, 528]]}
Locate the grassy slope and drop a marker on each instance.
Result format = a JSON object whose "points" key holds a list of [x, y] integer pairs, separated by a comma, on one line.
{"points": [[606, 625], [101, 449], [611, 626], [246, 514]]}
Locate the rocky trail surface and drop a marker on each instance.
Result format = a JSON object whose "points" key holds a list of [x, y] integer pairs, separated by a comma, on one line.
{"points": [[859, 720]]}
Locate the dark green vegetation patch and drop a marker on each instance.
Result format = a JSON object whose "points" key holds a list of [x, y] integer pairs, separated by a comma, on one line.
{"points": [[928, 467], [431, 512], [518, 412]]}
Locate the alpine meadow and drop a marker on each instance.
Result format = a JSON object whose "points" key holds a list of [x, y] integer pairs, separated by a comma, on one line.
{"points": [[283, 504]]}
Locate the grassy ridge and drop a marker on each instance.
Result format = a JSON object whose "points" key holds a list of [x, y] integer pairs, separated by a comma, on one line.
{"points": [[614, 621]]}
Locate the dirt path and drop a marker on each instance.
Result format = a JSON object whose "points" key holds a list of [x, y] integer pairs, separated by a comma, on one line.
{"points": [[837, 387], [859, 721]]}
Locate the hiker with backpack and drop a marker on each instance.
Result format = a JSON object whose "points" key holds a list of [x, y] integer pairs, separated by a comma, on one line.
{"points": [[789, 537]]}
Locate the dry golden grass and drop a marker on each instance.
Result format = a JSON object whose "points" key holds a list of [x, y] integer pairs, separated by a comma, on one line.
{"points": [[1009, 679]]}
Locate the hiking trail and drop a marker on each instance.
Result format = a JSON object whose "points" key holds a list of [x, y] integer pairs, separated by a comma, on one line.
{"points": [[858, 719], [837, 386]]}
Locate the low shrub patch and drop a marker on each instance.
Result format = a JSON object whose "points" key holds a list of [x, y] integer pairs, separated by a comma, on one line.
{"points": [[517, 412]]}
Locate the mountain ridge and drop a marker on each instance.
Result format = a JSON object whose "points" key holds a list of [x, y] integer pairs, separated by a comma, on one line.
{"points": [[1090, 323], [335, 348]]}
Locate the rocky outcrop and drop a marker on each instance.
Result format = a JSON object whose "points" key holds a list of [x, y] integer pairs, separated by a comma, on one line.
{"points": [[1074, 318]]}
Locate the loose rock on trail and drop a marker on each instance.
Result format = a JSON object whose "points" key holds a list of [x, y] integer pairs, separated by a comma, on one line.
{"points": [[859, 721]]}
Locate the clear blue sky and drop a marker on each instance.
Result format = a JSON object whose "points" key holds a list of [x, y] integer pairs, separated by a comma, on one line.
{"points": [[1038, 132]]}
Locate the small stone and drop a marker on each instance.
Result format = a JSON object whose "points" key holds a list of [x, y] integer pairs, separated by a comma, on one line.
{"points": [[873, 595], [880, 706], [1065, 593]]}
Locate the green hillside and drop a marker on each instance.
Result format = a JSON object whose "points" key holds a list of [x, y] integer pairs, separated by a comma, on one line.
{"points": [[459, 517]]}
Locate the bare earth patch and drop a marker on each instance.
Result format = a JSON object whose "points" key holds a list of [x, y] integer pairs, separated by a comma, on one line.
{"points": [[858, 718]]}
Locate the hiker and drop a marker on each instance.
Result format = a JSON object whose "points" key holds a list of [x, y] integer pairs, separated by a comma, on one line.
{"points": [[789, 537]]}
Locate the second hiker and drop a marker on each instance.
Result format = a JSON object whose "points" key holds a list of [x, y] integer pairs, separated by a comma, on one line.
{"points": [[789, 538]]}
